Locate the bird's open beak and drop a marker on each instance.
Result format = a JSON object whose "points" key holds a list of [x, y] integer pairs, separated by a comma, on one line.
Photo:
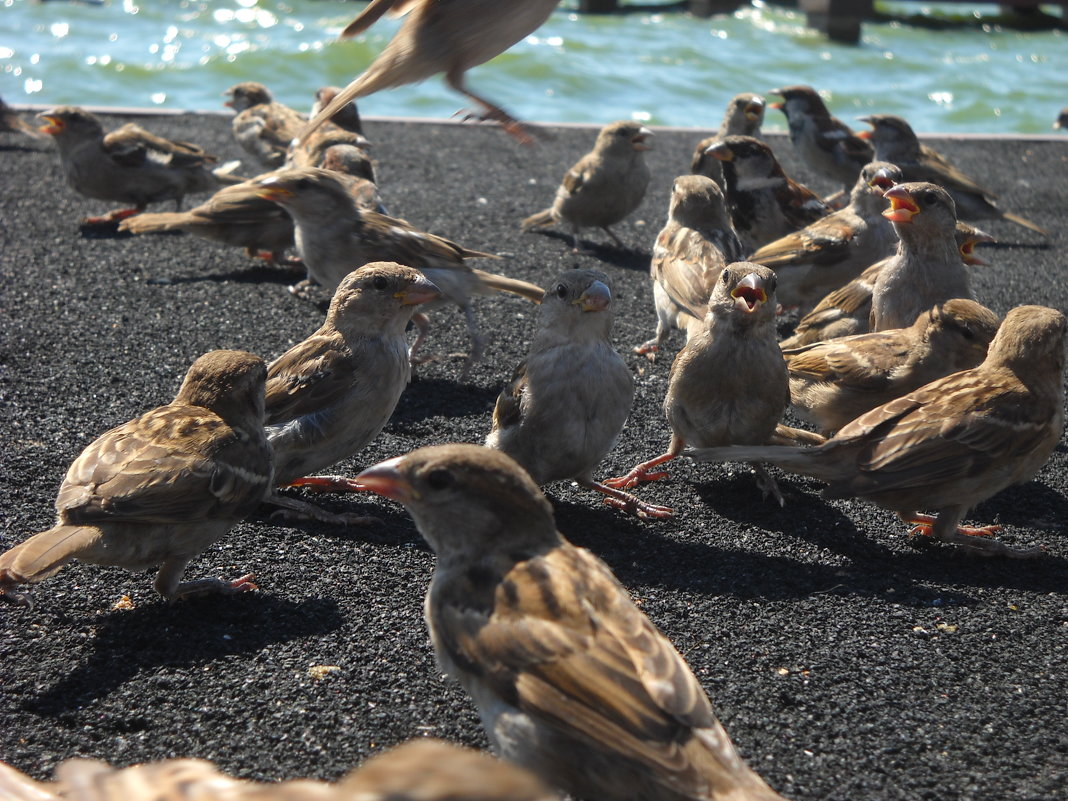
{"points": [[754, 110], [750, 293], [902, 207], [385, 479], [418, 292], [967, 253], [881, 182], [597, 297], [640, 140], [865, 134], [55, 125], [274, 192], [720, 152]]}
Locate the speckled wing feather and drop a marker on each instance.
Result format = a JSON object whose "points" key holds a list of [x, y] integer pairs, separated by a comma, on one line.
{"points": [[830, 361], [309, 377], [562, 642], [824, 241], [508, 411], [687, 266], [410, 245], [800, 205], [933, 167], [131, 145], [176, 463]]}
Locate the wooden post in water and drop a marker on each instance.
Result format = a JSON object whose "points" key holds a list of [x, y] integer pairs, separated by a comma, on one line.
{"points": [[839, 19]]}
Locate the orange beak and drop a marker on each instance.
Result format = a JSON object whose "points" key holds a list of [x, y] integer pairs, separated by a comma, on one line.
{"points": [[55, 125], [419, 292], [750, 293], [274, 193], [385, 479], [902, 207], [881, 182]]}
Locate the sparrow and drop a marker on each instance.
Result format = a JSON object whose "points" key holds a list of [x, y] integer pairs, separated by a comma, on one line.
{"points": [[161, 488], [129, 165], [834, 382], [952, 443], [334, 236], [449, 36], [847, 310], [895, 141], [422, 769], [763, 201], [824, 143], [345, 128], [689, 255], [11, 122], [568, 400], [1061, 123], [927, 268], [572, 680], [263, 127], [728, 385], [834, 249], [330, 395], [745, 115], [604, 186]]}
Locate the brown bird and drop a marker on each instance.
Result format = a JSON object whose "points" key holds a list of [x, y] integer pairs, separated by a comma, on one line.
{"points": [[161, 488], [604, 186], [764, 202], [1061, 123], [11, 122], [927, 268], [744, 116], [895, 141], [129, 165], [952, 443], [847, 311], [728, 385], [334, 236], [345, 128], [423, 769], [330, 395], [449, 36], [348, 118], [835, 249], [571, 679], [824, 143], [568, 400], [689, 255], [834, 382], [263, 127]]}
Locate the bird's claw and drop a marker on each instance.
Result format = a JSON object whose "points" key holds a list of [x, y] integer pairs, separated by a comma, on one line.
{"points": [[635, 506]]}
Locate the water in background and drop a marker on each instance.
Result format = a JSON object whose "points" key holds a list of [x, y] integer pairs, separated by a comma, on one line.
{"points": [[663, 68]]}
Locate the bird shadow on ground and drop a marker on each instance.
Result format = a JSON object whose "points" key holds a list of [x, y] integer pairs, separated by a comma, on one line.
{"points": [[436, 394], [22, 149], [624, 258], [1002, 245], [102, 231], [258, 273], [394, 527], [196, 631], [1030, 505]]}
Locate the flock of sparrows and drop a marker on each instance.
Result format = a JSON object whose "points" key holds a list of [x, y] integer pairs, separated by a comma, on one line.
{"points": [[930, 403]]}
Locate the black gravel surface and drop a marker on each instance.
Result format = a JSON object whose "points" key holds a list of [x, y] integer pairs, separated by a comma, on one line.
{"points": [[845, 662]]}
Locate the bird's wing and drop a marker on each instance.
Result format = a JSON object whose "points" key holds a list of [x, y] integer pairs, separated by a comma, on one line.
{"points": [[837, 361], [174, 463], [309, 377], [933, 167], [824, 241], [374, 10], [131, 145], [509, 412], [686, 265]]}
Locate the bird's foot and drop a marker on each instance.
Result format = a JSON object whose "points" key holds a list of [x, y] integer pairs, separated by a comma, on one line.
{"points": [[523, 134], [111, 218], [638, 475], [302, 289], [768, 485], [17, 599], [648, 349], [635, 506], [973, 539], [214, 586], [328, 484]]}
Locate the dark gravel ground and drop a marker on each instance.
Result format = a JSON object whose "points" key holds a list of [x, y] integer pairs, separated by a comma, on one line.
{"points": [[845, 663]]}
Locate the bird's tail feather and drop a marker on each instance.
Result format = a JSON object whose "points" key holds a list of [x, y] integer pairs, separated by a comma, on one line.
{"points": [[1026, 223], [542, 218], [795, 459], [43, 554], [225, 173], [157, 221], [502, 283]]}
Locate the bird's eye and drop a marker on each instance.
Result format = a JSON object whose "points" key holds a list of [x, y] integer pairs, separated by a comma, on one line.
{"points": [[303, 183], [379, 282], [726, 276], [621, 132], [561, 291], [439, 479]]}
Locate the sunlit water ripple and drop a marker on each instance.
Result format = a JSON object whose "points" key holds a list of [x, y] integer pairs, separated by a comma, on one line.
{"points": [[664, 68]]}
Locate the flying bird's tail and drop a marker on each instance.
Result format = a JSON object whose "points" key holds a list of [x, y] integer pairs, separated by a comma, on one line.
{"points": [[43, 554], [1026, 223], [157, 221], [539, 220], [502, 283]]}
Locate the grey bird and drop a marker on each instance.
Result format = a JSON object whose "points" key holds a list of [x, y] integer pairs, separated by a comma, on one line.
{"points": [[567, 402], [744, 116], [952, 443], [263, 127], [604, 186], [571, 679], [161, 488]]}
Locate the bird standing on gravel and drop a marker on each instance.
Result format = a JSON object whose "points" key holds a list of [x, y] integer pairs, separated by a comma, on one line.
{"points": [[744, 116], [895, 141], [128, 165], [952, 443], [834, 249], [689, 255], [604, 186], [344, 128], [449, 36], [927, 268], [263, 127], [160, 489], [334, 237], [330, 395], [824, 143], [568, 400], [728, 384], [571, 680], [834, 382], [764, 202]]}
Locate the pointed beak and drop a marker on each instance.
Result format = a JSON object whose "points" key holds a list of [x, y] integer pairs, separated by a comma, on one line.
{"points": [[902, 207], [881, 182], [639, 141], [754, 109], [418, 292], [386, 479], [967, 254], [750, 293], [274, 192], [597, 297], [866, 134], [55, 125], [720, 152]]}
